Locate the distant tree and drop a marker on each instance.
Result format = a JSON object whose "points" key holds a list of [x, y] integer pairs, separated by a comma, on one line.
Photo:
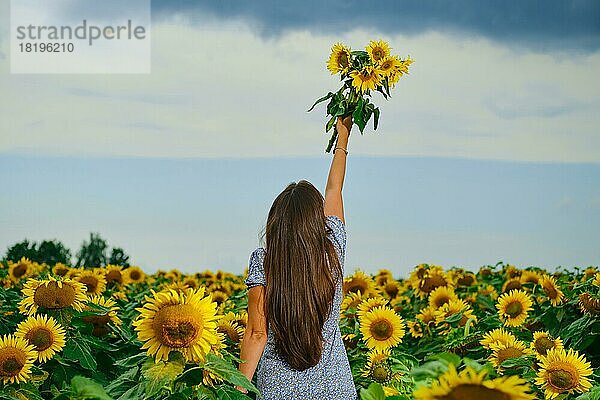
{"points": [[52, 252], [48, 251], [118, 257], [21, 249], [92, 253]]}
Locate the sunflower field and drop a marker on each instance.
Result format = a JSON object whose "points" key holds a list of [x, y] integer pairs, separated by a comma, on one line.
{"points": [[112, 332]]}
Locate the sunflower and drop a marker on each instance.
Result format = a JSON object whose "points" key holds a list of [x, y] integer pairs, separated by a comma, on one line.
{"points": [[219, 296], [368, 78], [242, 319], [230, 328], [431, 279], [415, 328], [552, 290], [512, 272], [359, 282], [340, 59], [427, 316], [589, 304], [596, 280], [454, 307], [45, 334], [378, 50], [563, 371], [398, 71], [528, 276], [100, 322], [93, 279], [20, 270], [401, 303], [16, 359], [369, 304], [440, 296], [513, 307], [113, 274], [543, 341], [510, 284], [377, 367], [382, 328], [471, 385], [133, 274], [52, 294], [389, 64], [501, 352], [391, 288], [60, 269], [178, 321], [496, 337], [488, 290], [383, 275]]}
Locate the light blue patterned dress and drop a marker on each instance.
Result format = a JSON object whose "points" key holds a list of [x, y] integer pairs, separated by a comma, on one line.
{"points": [[331, 378]]}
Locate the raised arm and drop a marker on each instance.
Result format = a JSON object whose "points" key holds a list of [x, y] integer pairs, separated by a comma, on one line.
{"points": [[334, 204]]}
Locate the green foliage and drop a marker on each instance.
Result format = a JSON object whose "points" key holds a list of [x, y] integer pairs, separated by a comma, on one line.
{"points": [[48, 251]]}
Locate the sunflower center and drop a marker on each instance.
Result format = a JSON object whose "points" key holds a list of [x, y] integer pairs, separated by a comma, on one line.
{"points": [[343, 60], [550, 291], [391, 290], [380, 373], [543, 344], [177, 325], [441, 300], [432, 282], [562, 379], [90, 282], [474, 392], [114, 276], [20, 270], [377, 54], [381, 329], [61, 271], [508, 353], [218, 297], [357, 285], [51, 296], [41, 338], [135, 275], [466, 280], [230, 332], [513, 284], [11, 361], [514, 309]]}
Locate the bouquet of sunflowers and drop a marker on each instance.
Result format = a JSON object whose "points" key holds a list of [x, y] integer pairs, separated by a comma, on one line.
{"points": [[374, 69]]}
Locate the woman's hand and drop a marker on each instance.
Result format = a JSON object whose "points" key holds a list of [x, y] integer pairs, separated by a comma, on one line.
{"points": [[344, 125]]}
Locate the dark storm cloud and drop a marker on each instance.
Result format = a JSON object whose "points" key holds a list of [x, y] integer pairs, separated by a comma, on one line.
{"points": [[541, 25]]}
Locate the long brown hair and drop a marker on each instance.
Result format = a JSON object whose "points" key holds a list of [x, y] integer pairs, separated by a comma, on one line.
{"points": [[301, 270]]}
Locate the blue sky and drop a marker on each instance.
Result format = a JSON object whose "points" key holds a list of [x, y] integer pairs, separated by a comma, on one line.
{"points": [[487, 151]]}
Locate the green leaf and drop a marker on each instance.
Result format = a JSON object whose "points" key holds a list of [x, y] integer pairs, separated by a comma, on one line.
{"points": [[192, 376], [593, 394], [327, 96], [85, 388], [225, 370], [162, 373], [376, 118], [358, 115], [330, 123], [227, 393], [78, 350], [374, 392], [448, 358]]}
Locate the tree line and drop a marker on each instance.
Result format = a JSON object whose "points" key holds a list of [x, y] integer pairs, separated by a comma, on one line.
{"points": [[94, 252]]}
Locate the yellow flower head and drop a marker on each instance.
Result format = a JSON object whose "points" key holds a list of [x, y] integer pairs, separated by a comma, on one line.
{"points": [[555, 295], [16, 359], [471, 385], [513, 307], [382, 328], [45, 334], [378, 50], [340, 59], [52, 294], [178, 321], [563, 372], [497, 337], [369, 78], [543, 341]]}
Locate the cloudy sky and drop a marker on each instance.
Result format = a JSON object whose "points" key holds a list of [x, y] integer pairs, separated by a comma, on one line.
{"points": [[487, 151]]}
